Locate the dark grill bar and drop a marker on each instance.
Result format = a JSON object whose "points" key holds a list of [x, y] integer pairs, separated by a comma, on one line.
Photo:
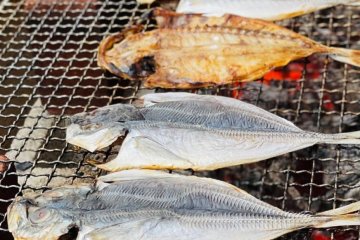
{"points": [[48, 71]]}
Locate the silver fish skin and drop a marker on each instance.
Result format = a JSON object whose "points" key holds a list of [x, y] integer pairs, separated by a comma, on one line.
{"points": [[270, 10], [145, 204], [188, 131]]}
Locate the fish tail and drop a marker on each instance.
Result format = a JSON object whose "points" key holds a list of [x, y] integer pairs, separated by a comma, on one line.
{"points": [[339, 217], [342, 138], [348, 56]]}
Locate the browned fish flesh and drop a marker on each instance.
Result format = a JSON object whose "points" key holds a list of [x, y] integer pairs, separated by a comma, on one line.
{"points": [[190, 51]]}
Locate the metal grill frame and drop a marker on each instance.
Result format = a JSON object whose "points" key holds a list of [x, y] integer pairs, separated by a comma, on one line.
{"points": [[48, 65]]}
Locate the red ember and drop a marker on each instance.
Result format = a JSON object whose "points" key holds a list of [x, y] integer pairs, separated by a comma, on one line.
{"points": [[3, 165]]}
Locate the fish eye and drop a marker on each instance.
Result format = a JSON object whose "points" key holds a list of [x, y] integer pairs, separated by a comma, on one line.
{"points": [[39, 215]]}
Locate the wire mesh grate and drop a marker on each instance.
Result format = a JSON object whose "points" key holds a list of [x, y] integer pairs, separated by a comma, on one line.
{"points": [[48, 71]]}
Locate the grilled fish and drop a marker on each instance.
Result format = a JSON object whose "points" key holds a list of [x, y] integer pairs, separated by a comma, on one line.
{"points": [[142, 204], [191, 51], [189, 131], [262, 9]]}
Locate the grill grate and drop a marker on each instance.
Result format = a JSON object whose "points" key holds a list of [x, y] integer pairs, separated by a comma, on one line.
{"points": [[48, 70]]}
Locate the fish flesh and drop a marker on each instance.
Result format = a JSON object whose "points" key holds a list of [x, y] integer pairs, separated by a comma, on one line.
{"points": [[192, 51], [189, 131], [145, 204], [269, 10]]}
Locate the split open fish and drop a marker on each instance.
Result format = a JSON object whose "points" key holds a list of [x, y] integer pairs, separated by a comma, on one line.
{"points": [[270, 10], [191, 51], [189, 131], [144, 204]]}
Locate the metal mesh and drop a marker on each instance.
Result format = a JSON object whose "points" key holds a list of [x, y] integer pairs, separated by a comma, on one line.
{"points": [[48, 71]]}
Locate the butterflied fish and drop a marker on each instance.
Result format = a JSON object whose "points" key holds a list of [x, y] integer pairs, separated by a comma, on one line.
{"points": [[190, 51], [140, 204], [189, 131], [261, 9]]}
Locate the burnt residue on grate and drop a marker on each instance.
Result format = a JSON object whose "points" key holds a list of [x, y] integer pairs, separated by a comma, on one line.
{"points": [[48, 71]]}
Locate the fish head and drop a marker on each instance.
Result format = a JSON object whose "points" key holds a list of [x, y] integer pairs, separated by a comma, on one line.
{"points": [[99, 128], [27, 221], [66, 196], [100, 117]]}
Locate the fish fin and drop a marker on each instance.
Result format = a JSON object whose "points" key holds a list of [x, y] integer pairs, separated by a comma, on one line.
{"points": [[165, 18], [348, 56], [135, 174], [343, 138], [340, 216], [337, 221], [353, 207]]}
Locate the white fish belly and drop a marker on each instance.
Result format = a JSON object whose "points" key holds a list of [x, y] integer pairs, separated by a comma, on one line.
{"points": [[179, 148], [262, 9], [179, 228]]}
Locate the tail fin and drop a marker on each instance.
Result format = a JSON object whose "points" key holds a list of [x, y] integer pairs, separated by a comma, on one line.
{"points": [[353, 207], [342, 138], [340, 216], [348, 56]]}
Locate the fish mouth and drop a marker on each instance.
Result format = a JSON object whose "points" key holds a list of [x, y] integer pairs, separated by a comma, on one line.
{"points": [[17, 212]]}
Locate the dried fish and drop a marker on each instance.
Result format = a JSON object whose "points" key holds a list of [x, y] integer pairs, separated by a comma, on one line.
{"points": [[191, 51], [141, 204], [189, 131], [261, 9]]}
